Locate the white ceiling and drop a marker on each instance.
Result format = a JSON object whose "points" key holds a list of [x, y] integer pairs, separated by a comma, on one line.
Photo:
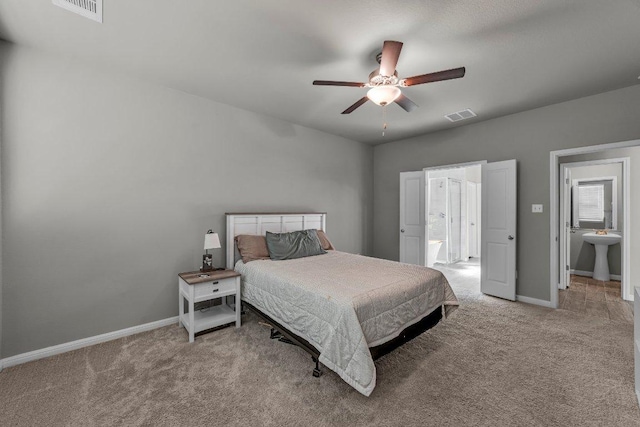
{"points": [[263, 55]]}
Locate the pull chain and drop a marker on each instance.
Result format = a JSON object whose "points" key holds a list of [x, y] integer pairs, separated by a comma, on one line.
{"points": [[384, 119]]}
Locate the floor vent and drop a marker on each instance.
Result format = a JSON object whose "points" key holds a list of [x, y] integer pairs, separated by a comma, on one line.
{"points": [[91, 9], [460, 115]]}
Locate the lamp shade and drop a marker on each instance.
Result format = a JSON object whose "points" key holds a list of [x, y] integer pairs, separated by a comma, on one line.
{"points": [[211, 241], [383, 95]]}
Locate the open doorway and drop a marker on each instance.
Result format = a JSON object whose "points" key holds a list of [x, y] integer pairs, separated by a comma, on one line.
{"points": [[453, 223], [593, 200], [449, 241], [453, 206], [573, 258]]}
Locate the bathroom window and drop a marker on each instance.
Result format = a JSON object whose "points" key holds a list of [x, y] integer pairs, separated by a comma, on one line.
{"points": [[594, 203], [591, 202]]}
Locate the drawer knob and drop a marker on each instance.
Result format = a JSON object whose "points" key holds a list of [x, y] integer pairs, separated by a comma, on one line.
{"points": [[216, 290], [215, 283]]}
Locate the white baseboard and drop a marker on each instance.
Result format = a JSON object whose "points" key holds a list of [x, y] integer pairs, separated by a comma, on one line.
{"points": [[535, 301], [590, 274], [85, 342]]}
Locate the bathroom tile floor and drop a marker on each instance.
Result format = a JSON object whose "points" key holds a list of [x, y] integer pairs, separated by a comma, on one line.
{"points": [[596, 298]]}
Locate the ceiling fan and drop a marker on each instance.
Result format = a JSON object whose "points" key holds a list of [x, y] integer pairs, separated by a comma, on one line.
{"points": [[384, 83]]}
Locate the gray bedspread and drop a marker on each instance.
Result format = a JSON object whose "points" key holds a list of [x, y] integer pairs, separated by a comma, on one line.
{"points": [[343, 304]]}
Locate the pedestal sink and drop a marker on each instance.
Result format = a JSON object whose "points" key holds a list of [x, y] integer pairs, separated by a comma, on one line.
{"points": [[602, 243]]}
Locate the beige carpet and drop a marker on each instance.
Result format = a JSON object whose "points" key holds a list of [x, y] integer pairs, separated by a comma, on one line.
{"points": [[492, 363]]}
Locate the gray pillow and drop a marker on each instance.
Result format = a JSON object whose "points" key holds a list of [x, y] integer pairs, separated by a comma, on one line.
{"points": [[297, 244]]}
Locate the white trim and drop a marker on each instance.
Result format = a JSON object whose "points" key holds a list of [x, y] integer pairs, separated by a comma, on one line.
{"points": [[554, 213], [534, 301], [564, 207], [590, 274], [596, 148], [456, 165], [85, 342], [554, 229], [594, 163], [636, 341], [627, 286]]}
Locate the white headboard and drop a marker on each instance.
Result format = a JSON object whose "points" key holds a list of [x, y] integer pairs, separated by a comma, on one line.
{"points": [[260, 223]]}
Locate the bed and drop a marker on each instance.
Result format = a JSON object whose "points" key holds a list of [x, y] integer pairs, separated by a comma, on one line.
{"points": [[344, 309]]}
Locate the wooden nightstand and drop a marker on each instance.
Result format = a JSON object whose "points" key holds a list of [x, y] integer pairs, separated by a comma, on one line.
{"points": [[198, 286]]}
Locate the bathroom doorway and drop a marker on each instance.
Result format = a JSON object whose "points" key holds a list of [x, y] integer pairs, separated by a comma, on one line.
{"points": [[444, 226], [593, 202], [495, 239], [453, 205], [573, 250]]}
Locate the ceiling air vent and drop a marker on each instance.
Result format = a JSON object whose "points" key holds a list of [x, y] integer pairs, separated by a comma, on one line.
{"points": [[460, 115], [91, 9]]}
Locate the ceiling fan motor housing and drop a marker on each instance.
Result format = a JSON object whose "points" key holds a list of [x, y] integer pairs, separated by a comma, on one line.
{"points": [[377, 79]]}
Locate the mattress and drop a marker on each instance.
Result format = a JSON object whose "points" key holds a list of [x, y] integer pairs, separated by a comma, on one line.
{"points": [[344, 303]]}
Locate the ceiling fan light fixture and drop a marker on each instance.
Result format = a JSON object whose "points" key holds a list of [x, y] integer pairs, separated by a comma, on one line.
{"points": [[383, 95]]}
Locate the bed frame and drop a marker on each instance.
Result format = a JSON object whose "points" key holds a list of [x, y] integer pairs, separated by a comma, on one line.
{"points": [[259, 224]]}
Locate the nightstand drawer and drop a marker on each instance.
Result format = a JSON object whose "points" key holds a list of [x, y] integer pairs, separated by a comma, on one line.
{"points": [[216, 287]]}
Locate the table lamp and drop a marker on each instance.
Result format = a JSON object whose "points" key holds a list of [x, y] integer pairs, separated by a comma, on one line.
{"points": [[211, 241]]}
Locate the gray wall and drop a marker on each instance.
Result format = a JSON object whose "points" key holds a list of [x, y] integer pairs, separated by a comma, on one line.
{"points": [[109, 184], [527, 137], [634, 203], [583, 254]]}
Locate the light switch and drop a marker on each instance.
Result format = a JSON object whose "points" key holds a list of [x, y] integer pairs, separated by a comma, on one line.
{"points": [[536, 208]]}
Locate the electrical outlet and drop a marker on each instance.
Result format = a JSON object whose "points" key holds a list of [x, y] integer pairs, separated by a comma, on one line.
{"points": [[536, 208]]}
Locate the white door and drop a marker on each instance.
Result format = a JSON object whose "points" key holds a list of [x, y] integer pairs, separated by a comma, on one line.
{"points": [[412, 223], [498, 262], [455, 220], [472, 221], [479, 218], [565, 227]]}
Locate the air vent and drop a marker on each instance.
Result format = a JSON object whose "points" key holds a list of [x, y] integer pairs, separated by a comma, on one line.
{"points": [[91, 9], [460, 115]]}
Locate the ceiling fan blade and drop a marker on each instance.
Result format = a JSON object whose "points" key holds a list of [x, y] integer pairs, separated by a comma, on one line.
{"points": [[390, 54], [356, 105], [332, 83], [407, 104], [455, 73]]}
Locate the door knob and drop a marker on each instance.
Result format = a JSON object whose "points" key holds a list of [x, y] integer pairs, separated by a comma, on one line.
{"points": [[402, 230], [510, 237]]}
